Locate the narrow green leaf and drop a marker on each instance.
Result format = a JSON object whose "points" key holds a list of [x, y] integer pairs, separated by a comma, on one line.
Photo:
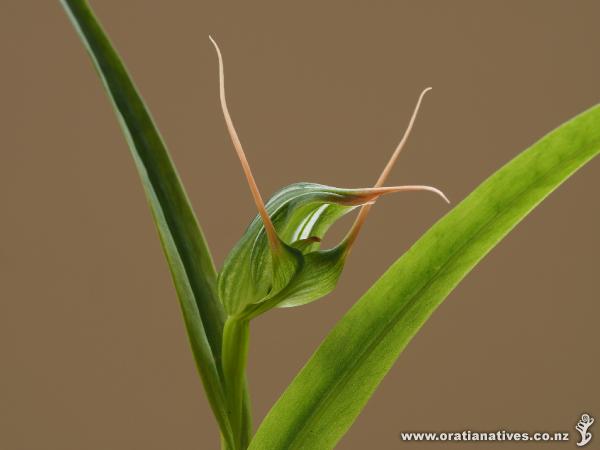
{"points": [[182, 240], [330, 391]]}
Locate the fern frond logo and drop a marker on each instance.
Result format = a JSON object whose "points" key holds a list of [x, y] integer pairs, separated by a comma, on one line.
{"points": [[583, 426]]}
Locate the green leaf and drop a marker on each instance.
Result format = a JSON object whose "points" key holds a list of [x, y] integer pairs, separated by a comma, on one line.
{"points": [[328, 394], [298, 272], [182, 240]]}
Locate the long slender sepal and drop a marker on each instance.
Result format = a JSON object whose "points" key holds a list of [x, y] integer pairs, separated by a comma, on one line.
{"points": [[364, 211], [258, 200]]}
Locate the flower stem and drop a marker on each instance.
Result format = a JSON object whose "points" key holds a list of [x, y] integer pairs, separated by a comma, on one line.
{"points": [[234, 357]]}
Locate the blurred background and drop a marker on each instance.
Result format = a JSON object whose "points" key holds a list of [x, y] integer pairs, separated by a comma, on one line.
{"points": [[93, 353]]}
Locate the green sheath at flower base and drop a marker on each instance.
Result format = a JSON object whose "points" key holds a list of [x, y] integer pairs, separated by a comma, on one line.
{"points": [[277, 263]]}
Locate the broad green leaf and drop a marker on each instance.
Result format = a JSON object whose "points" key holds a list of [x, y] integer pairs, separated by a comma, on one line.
{"points": [[298, 272], [327, 395], [182, 240]]}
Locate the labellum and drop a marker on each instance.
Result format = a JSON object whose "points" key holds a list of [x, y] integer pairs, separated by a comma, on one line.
{"points": [[278, 261]]}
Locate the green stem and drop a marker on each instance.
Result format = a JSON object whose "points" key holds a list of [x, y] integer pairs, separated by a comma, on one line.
{"points": [[234, 357], [246, 418]]}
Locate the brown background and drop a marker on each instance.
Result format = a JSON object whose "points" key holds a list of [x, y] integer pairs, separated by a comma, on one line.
{"points": [[93, 353]]}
